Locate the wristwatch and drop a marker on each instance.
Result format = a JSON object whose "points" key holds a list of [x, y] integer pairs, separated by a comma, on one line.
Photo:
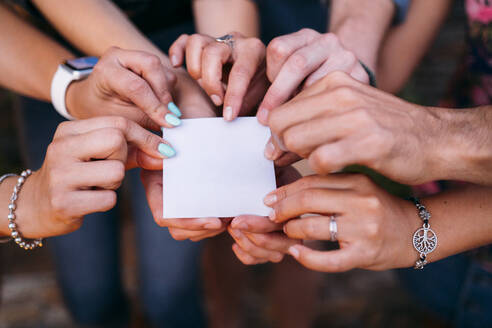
{"points": [[70, 70]]}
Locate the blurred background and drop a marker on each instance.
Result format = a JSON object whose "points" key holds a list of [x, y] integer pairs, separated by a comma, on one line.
{"points": [[28, 289]]}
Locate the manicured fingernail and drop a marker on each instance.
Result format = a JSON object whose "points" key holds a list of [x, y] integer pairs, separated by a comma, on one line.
{"points": [[166, 150], [174, 60], [269, 150], [271, 215], [216, 100], [173, 120], [270, 199], [174, 109], [228, 113], [294, 251], [262, 116]]}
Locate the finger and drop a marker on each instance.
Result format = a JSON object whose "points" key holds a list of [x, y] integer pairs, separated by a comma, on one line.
{"points": [[314, 228], [287, 159], [214, 57], [105, 143], [333, 157], [195, 224], [244, 257], [183, 234], [296, 69], [275, 241], [325, 261], [333, 181], [177, 50], [253, 223], [137, 158], [194, 49], [145, 140], [306, 136], [245, 66], [151, 69], [255, 251], [84, 202], [144, 84], [344, 61], [311, 201], [281, 48], [272, 150], [294, 112], [106, 174]]}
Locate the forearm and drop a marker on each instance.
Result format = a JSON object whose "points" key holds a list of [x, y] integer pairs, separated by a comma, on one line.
{"points": [[461, 220], [29, 58], [361, 26], [218, 17], [460, 145], [407, 43]]}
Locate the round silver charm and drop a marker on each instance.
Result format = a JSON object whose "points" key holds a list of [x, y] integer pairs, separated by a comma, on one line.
{"points": [[425, 240]]}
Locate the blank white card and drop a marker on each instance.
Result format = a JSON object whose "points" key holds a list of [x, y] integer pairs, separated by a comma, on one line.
{"points": [[219, 169]]}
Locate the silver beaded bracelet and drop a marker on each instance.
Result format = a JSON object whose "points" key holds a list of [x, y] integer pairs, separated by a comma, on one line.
{"points": [[424, 239], [14, 233]]}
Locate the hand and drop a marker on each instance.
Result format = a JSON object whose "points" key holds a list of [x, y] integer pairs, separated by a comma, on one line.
{"points": [[296, 61], [374, 228], [194, 229], [84, 164], [132, 84], [349, 122], [208, 61], [259, 240]]}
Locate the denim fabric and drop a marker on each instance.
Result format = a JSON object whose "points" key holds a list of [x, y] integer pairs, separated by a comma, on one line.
{"points": [[457, 290]]}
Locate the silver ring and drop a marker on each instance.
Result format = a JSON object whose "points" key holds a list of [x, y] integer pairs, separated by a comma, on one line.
{"points": [[226, 39], [333, 228]]}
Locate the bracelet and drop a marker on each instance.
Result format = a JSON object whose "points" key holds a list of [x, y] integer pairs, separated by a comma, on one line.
{"points": [[372, 77], [4, 240], [14, 233], [424, 239]]}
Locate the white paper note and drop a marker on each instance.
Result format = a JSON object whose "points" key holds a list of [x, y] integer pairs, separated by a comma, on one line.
{"points": [[219, 169]]}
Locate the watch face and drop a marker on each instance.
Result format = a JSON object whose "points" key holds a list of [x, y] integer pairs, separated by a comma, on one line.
{"points": [[82, 63]]}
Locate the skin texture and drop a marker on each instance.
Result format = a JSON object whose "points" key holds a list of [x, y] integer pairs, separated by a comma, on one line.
{"points": [[408, 143], [84, 165], [232, 76], [375, 229]]}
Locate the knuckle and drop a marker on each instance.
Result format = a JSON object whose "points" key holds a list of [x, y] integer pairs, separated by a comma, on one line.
{"points": [[350, 57], [152, 61], [276, 258], [308, 228], [118, 171], [336, 77], [307, 30], [242, 71], [256, 44], [57, 203], [114, 138], [298, 62], [291, 141], [119, 123], [320, 160], [135, 86], [277, 48], [330, 38], [63, 128], [53, 150], [306, 197], [345, 93], [177, 234]]}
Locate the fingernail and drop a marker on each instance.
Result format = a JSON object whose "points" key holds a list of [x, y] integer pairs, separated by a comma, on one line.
{"points": [[174, 60], [166, 150], [271, 215], [270, 199], [173, 120], [262, 116], [216, 100], [269, 150], [174, 109], [228, 113], [294, 251]]}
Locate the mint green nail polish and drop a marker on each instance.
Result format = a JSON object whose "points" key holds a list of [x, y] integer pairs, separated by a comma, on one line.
{"points": [[166, 150], [173, 120], [174, 109]]}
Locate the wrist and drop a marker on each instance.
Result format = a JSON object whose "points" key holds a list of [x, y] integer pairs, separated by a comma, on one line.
{"points": [[465, 151]]}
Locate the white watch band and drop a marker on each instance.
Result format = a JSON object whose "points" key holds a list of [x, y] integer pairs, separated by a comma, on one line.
{"points": [[59, 84]]}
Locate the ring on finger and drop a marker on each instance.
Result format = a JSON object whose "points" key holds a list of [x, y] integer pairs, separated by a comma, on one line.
{"points": [[227, 39], [333, 228]]}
